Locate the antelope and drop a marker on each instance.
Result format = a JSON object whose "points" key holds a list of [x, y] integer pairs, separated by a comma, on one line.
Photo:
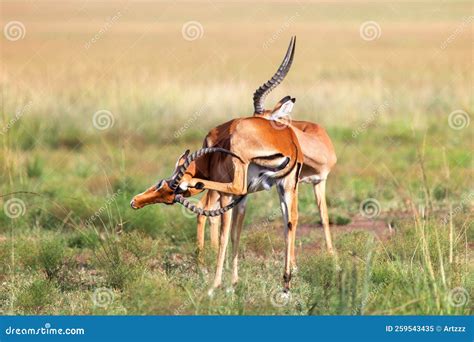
{"points": [[250, 155], [247, 155], [319, 159]]}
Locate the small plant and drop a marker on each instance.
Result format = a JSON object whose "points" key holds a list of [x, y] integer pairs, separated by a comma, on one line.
{"points": [[50, 257], [83, 239], [68, 137], [440, 192], [35, 297], [340, 220], [261, 242], [111, 258], [34, 168]]}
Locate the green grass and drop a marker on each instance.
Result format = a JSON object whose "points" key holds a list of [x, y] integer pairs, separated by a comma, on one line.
{"points": [[70, 244], [147, 258]]}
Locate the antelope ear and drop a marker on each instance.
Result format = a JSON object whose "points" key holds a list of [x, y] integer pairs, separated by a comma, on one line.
{"points": [[181, 159], [280, 103], [283, 108]]}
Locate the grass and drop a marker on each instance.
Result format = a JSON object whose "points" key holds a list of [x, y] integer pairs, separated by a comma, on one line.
{"points": [[69, 244]]}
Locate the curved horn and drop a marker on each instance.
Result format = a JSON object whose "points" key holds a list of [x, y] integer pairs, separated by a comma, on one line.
{"points": [[216, 212], [179, 173], [277, 78]]}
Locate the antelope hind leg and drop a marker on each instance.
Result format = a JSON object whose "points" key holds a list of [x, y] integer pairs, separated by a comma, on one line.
{"points": [[288, 192], [237, 224], [320, 192]]}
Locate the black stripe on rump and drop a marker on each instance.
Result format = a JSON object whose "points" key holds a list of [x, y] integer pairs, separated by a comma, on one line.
{"points": [[298, 171]]}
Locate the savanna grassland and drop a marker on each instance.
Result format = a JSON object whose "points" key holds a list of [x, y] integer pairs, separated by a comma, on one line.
{"points": [[100, 98]]}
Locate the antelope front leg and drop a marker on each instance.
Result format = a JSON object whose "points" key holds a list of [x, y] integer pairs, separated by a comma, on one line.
{"points": [[212, 202], [201, 225], [224, 239], [214, 232], [289, 207], [208, 201]]}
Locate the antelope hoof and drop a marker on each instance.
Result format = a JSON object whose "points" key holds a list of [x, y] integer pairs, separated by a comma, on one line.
{"points": [[230, 290], [210, 293]]}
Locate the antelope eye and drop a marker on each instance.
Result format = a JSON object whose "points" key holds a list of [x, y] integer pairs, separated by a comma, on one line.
{"points": [[159, 185]]}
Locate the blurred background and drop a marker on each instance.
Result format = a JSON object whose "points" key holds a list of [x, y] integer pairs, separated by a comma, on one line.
{"points": [[99, 98]]}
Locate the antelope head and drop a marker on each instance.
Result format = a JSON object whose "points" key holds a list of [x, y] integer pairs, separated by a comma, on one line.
{"points": [[174, 190], [285, 105], [164, 191]]}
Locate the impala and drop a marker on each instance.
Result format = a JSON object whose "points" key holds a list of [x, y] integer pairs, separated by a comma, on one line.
{"points": [[248, 155], [319, 159], [251, 155]]}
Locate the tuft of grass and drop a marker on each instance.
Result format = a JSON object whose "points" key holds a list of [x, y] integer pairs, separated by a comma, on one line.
{"points": [[338, 219], [50, 257], [261, 243], [440, 192], [65, 137], [83, 239], [168, 299], [120, 267], [34, 167], [342, 220], [37, 297]]}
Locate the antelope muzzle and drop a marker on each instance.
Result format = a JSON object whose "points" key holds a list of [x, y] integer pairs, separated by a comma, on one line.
{"points": [[160, 193]]}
